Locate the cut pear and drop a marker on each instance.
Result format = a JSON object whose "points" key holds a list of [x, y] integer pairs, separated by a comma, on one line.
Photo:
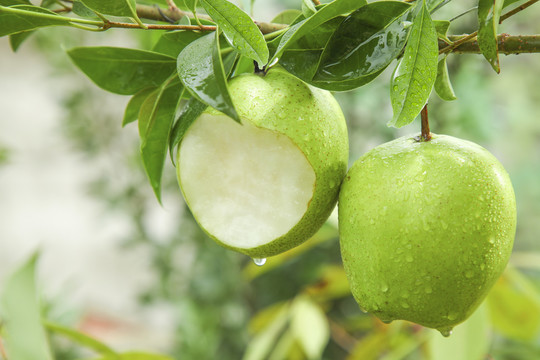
{"points": [[245, 185], [267, 185]]}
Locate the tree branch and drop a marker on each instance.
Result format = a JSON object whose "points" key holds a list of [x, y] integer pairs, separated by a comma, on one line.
{"points": [[508, 45], [153, 13]]}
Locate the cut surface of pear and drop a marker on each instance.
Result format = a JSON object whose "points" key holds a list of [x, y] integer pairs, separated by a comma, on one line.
{"points": [[248, 174], [268, 184]]}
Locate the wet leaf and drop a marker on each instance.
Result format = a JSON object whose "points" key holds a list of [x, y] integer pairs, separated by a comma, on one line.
{"points": [[122, 71], [201, 71], [238, 28], [365, 42], [489, 12], [190, 112], [443, 86], [25, 338], [329, 11], [155, 121], [133, 107], [415, 74], [19, 18]]}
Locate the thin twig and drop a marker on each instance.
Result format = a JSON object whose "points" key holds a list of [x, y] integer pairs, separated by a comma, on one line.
{"points": [[463, 13], [426, 134], [516, 10], [113, 24]]}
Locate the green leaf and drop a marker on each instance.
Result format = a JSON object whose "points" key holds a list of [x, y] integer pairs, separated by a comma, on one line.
{"points": [[122, 71], [239, 30], [443, 86], [310, 326], [260, 346], [16, 40], [136, 355], [80, 339], [14, 2], [470, 340], [190, 112], [329, 11], [489, 12], [191, 5], [286, 16], [308, 8], [302, 58], [514, 306], [434, 4], [510, 2], [115, 7], [441, 26], [25, 338], [82, 10], [155, 121], [202, 73], [415, 74], [133, 107], [19, 18], [173, 42], [365, 42]]}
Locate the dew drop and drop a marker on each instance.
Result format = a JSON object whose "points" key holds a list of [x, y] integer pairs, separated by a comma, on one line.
{"points": [[444, 225], [259, 261], [445, 332], [452, 316], [384, 287], [405, 305]]}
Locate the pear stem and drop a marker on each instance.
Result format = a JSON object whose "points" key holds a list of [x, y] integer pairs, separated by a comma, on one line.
{"points": [[425, 135]]}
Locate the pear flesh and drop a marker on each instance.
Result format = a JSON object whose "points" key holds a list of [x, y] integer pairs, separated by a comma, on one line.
{"points": [[248, 173]]}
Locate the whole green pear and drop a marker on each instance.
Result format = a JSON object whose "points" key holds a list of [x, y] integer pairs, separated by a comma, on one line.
{"points": [[426, 228], [268, 184]]}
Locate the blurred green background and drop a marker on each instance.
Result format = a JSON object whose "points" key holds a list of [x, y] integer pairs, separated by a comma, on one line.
{"points": [[201, 301]]}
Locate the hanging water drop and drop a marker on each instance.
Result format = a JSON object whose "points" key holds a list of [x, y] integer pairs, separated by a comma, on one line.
{"points": [[446, 332], [259, 261]]}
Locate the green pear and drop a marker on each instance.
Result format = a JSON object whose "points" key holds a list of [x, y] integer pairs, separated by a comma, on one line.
{"points": [[426, 228], [267, 185]]}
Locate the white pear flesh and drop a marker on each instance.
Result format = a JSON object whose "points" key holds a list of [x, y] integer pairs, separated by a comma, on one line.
{"points": [[256, 183]]}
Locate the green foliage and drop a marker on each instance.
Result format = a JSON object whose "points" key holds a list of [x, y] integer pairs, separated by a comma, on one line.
{"points": [[240, 31], [415, 74], [20, 311], [489, 12], [121, 70]]}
